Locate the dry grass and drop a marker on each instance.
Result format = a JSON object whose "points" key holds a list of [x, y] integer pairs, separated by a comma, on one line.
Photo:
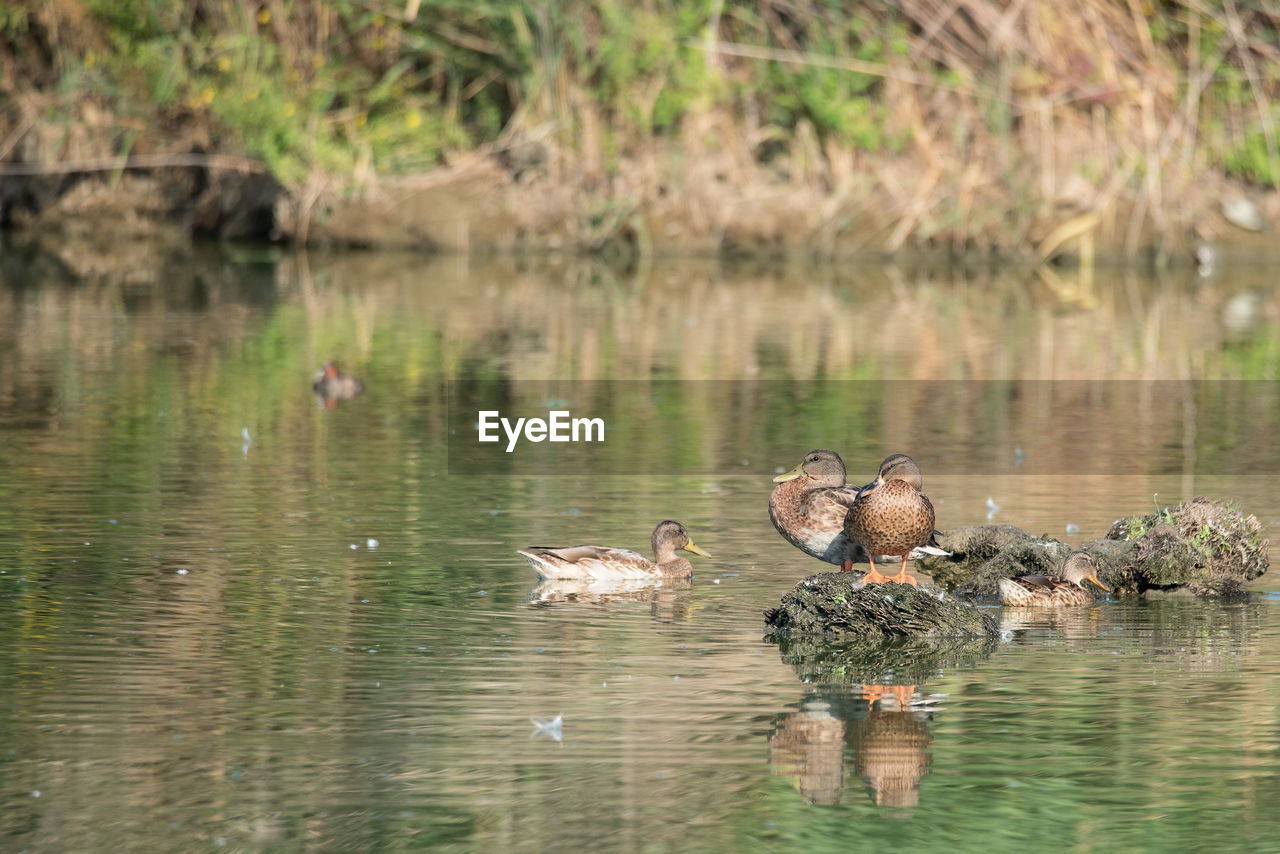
{"points": [[1007, 126]]}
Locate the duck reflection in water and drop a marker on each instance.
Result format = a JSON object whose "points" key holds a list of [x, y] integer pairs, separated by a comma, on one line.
{"points": [[332, 386], [886, 729], [892, 745], [863, 699], [666, 602]]}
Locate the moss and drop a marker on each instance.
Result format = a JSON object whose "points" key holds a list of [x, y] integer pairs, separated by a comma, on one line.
{"points": [[983, 553], [838, 604], [1206, 547]]}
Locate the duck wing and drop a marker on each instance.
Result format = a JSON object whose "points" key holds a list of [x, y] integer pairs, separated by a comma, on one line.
{"points": [[1040, 582], [826, 507], [602, 563]]}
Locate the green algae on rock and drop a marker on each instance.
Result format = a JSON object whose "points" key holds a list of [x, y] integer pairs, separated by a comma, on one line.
{"points": [[1202, 547], [980, 554], [839, 604], [1207, 547]]}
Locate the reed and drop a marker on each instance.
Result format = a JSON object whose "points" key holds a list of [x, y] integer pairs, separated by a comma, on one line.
{"points": [[821, 126]]}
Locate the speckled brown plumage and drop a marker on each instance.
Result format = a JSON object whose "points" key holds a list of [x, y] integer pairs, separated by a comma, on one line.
{"points": [[1053, 591], [891, 516], [808, 507]]}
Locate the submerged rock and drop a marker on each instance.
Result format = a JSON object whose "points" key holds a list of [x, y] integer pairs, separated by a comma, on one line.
{"points": [[838, 604], [1203, 547]]}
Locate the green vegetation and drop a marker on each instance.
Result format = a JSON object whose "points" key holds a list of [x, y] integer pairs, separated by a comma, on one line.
{"points": [[978, 107], [338, 86]]}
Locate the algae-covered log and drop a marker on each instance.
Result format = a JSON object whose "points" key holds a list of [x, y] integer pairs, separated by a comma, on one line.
{"points": [[839, 604], [1206, 547]]}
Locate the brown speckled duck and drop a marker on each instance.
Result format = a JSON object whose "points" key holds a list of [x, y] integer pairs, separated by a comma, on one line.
{"points": [[1049, 591], [808, 507], [332, 385], [604, 563], [891, 516]]}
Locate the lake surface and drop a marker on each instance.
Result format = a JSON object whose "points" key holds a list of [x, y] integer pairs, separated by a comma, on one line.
{"points": [[234, 619]]}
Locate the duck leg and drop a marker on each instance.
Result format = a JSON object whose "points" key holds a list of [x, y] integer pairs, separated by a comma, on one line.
{"points": [[874, 576], [902, 577], [846, 566]]}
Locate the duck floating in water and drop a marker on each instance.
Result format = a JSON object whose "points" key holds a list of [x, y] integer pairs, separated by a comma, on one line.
{"points": [[808, 507], [333, 386], [605, 563], [891, 516], [1054, 590]]}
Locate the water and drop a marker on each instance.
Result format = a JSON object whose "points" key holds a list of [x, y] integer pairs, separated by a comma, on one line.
{"points": [[200, 649]]}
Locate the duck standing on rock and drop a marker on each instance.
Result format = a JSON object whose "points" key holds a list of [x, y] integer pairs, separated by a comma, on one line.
{"points": [[891, 516], [808, 507], [605, 563], [1054, 590]]}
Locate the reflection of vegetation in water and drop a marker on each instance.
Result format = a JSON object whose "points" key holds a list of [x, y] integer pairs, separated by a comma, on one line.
{"points": [[200, 330], [124, 398]]}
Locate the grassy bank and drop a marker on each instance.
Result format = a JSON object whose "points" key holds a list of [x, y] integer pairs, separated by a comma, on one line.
{"points": [[824, 127]]}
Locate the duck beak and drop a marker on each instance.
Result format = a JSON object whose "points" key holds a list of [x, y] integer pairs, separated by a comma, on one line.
{"points": [[791, 475], [690, 547], [1095, 580]]}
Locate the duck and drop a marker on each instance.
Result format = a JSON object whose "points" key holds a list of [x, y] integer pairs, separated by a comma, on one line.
{"points": [[891, 516], [1066, 588], [808, 507], [332, 385], [605, 563]]}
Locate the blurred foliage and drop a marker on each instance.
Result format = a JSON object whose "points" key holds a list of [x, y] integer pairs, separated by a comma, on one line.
{"points": [[356, 88]]}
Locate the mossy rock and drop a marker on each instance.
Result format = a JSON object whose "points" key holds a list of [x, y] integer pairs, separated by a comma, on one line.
{"points": [[1204, 547], [838, 605], [980, 554]]}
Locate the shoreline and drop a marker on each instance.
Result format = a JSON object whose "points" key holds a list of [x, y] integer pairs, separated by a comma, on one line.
{"points": [[826, 131], [477, 206]]}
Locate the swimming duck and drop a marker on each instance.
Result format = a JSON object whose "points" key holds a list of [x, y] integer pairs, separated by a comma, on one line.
{"points": [[604, 563], [891, 516], [1054, 590], [332, 385]]}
